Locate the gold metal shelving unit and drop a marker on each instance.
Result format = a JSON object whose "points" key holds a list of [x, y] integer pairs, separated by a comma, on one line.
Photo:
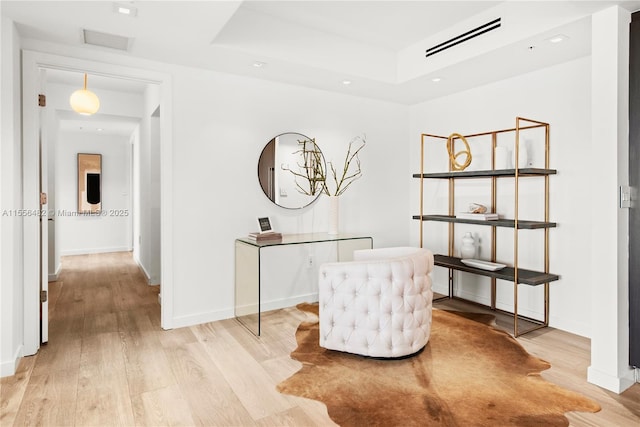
{"points": [[514, 273]]}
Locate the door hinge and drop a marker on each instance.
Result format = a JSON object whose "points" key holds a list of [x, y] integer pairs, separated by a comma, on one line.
{"points": [[42, 100], [43, 296], [43, 198]]}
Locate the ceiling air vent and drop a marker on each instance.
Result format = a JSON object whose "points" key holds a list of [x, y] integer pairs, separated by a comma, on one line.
{"points": [[111, 41], [484, 28]]}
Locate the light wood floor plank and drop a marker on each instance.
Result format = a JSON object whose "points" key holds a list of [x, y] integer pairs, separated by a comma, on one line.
{"points": [[63, 354], [50, 399], [251, 383], [162, 407], [177, 337], [292, 417], [191, 363], [213, 403], [13, 389], [103, 399], [147, 368], [102, 353], [100, 323], [135, 320]]}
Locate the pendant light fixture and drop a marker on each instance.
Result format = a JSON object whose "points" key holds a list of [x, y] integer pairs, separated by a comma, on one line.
{"points": [[84, 101]]}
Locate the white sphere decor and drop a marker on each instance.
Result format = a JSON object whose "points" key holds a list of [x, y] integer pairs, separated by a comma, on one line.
{"points": [[84, 101]]}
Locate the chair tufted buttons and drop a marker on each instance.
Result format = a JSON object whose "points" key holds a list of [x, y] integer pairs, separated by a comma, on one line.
{"points": [[380, 310]]}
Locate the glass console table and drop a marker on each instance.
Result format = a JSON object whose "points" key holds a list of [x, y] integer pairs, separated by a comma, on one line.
{"points": [[247, 305]]}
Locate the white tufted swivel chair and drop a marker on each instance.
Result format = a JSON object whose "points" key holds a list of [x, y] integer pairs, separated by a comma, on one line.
{"points": [[378, 305]]}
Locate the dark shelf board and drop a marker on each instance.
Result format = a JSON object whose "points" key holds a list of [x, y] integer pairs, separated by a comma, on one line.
{"points": [[526, 277], [510, 223], [488, 173]]}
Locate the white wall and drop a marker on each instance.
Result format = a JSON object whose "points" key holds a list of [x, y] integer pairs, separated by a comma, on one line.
{"points": [[51, 128], [559, 95], [221, 123], [111, 231], [147, 197], [11, 226]]}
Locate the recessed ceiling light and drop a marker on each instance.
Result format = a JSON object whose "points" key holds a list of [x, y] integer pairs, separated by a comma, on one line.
{"points": [[259, 64], [436, 79], [558, 38], [346, 82], [99, 129], [125, 9], [532, 47]]}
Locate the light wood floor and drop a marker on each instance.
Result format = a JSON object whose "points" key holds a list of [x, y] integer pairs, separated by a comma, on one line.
{"points": [[109, 363]]}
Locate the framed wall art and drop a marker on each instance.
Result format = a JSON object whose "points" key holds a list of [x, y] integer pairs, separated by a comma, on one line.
{"points": [[89, 183]]}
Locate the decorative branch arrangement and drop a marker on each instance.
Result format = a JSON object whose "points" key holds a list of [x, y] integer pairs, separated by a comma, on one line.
{"points": [[351, 170], [312, 170]]}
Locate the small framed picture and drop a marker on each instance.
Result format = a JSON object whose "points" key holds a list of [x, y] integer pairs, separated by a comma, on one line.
{"points": [[264, 223]]}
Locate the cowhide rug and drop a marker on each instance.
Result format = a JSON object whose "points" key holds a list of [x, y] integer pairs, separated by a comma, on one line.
{"points": [[469, 374]]}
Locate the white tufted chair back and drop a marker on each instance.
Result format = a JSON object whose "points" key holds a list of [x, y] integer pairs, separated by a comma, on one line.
{"points": [[378, 305]]}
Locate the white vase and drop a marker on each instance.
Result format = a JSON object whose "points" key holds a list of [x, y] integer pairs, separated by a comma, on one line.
{"points": [[334, 210], [468, 249]]}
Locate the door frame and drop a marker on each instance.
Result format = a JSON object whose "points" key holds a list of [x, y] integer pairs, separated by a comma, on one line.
{"points": [[32, 62]]}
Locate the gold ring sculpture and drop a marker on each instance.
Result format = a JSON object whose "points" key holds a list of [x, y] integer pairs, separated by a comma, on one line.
{"points": [[454, 157]]}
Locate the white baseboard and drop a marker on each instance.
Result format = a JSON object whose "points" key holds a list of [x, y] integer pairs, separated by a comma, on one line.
{"points": [[9, 367], [86, 251], [54, 277], [200, 318], [144, 271], [288, 302], [150, 281], [571, 326], [212, 316], [610, 382]]}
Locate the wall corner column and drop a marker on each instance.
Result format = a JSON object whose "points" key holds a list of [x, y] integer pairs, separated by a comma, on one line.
{"points": [[609, 255]]}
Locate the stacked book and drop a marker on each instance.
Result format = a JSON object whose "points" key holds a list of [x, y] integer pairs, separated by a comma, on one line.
{"points": [[264, 237], [487, 216]]}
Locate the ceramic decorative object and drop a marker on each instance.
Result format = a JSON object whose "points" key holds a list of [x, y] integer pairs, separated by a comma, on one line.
{"points": [[468, 249], [453, 157], [334, 210]]}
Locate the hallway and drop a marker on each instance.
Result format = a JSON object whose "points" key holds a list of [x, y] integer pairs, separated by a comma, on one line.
{"points": [[100, 310]]}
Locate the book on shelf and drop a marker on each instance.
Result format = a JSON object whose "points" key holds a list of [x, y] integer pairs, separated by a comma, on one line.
{"points": [[261, 237], [487, 216]]}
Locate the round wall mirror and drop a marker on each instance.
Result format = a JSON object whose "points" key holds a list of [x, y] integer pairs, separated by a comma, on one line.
{"points": [[287, 169]]}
